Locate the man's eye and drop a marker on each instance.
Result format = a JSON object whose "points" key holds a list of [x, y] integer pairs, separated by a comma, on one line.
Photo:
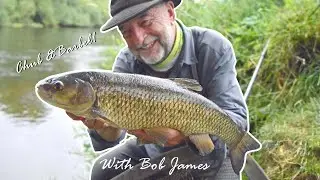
{"points": [[146, 23], [125, 34]]}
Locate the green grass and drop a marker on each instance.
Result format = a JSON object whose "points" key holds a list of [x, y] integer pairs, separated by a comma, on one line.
{"points": [[291, 142]]}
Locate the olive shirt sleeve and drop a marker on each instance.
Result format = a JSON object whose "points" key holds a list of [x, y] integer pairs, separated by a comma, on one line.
{"points": [[219, 72], [98, 142]]}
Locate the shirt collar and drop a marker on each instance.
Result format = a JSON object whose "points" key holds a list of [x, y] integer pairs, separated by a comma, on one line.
{"points": [[187, 55]]}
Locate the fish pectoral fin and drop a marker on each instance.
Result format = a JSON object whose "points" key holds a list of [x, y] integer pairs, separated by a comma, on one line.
{"points": [[159, 138], [97, 113], [190, 84], [203, 143]]}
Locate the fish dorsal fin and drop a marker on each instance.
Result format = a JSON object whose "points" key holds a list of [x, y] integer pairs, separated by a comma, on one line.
{"points": [[190, 84]]}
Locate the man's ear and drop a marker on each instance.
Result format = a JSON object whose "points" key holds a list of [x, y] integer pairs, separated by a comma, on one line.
{"points": [[170, 7]]}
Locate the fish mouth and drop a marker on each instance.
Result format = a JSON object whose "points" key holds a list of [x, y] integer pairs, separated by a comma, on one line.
{"points": [[43, 90]]}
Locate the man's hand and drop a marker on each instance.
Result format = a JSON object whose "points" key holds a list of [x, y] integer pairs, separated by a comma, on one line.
{"points": [[91, 124], [173, 136], [107, 132]]}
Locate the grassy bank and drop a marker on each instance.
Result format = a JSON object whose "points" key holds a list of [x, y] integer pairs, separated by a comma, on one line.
{"points": [[291, 142], [284, 103]]}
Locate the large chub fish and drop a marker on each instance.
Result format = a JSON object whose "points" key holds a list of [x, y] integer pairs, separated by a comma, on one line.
{"points": [[131, 101]]}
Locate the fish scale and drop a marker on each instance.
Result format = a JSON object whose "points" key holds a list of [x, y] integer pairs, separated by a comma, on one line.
{"points": [[137, 103]]}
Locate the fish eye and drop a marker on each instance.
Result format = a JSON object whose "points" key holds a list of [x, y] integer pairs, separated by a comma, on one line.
{"points": [[58, 85]]}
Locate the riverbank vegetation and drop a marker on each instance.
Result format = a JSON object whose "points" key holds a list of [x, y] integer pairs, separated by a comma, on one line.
{"points": [[53, 13], [284, 103]]}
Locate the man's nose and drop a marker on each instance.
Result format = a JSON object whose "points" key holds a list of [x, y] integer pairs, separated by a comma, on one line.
{"points": [[139, 35]]}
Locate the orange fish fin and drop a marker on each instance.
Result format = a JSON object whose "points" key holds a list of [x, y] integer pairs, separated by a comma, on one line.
{"points": [[203, 143], [96, 113]]}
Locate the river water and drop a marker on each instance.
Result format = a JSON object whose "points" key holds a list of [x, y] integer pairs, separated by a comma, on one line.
{"points": [[40, 142]]}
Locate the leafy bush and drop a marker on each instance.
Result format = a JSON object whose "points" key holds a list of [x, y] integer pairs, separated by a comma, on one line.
{"points": [[48, 13]]}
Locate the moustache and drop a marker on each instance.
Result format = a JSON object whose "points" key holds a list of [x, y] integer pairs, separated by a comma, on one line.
{"points": [[146, 42]]}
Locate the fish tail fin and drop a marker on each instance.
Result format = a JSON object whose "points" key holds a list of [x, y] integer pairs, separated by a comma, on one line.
{"points": [[238, 154]]}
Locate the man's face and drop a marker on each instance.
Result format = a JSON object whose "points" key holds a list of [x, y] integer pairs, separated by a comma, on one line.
{"points": [[150, 36]]}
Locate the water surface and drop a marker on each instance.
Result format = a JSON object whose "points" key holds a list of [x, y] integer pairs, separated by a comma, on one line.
{"points": [[39, 141]]}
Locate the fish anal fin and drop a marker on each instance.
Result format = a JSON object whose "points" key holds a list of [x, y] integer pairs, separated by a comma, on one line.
{"points": [[203, 143], [186, 83]]}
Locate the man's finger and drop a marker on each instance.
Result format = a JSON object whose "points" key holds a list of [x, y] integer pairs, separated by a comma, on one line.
{"points": [[95, 123], [141, 134], [175, 141], [174, 136], [99, 124], [137, 132], [74, 117]]}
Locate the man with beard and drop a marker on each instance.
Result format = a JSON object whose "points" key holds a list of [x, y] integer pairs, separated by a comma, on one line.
{"points": [[158, 44]]}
